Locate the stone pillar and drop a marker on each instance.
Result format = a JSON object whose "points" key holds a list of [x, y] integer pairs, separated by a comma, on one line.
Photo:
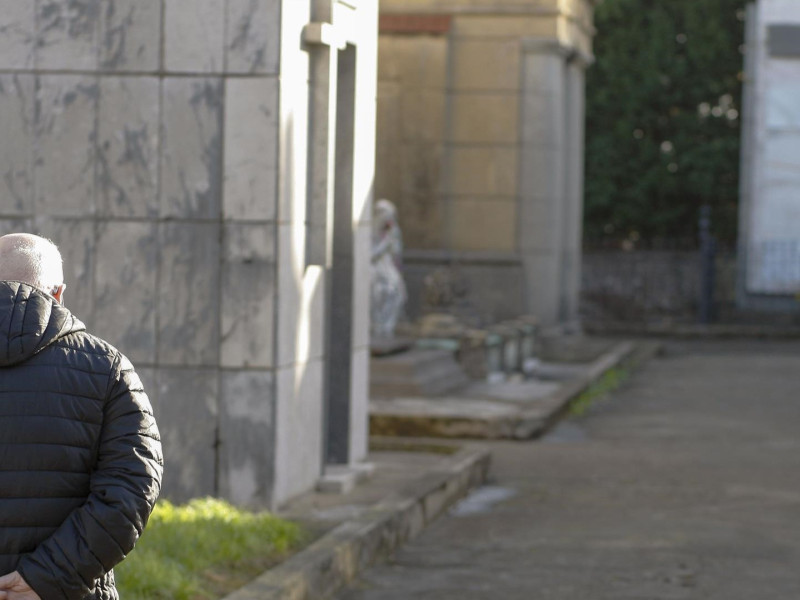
{"points": [[573, 186], [543, 176]]}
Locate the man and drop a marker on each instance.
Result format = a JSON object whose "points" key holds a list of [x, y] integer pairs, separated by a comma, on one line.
{"points": [[80, 453]]}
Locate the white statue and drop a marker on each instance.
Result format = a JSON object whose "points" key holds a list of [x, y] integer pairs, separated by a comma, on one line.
{"points": [[388, 290]]}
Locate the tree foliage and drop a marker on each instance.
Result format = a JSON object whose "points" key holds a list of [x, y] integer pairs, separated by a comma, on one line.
{"points": [[663, 112]]}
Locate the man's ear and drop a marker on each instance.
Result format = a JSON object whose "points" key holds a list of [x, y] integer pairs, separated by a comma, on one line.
{"points": [[58, 294]]}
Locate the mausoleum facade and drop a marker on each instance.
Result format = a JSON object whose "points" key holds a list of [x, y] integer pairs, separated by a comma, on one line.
{"points": [[480, 145], [200, 165]]}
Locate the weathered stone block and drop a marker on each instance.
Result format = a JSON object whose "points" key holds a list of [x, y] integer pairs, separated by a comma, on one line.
{"points": [[127, 150], [17, 34], [247, 436], [543, 67], [125, 287], [251, 162], [542, 277], [67, 34], [187, 410], [423, 116], [421, 167], [540, 224], [482, 170], [414, 61], [64, 173], [194, 36], [16, 151], [130, 35], [188, 303], [486, 65], [512, 26], [541, 180], [248, 300], [191, 146], [485, 118], [543, 122], [253, 37], [484, 225]]}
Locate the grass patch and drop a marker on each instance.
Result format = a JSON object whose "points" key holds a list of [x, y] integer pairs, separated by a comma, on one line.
{"points": [[203, 550], [610, 381]]}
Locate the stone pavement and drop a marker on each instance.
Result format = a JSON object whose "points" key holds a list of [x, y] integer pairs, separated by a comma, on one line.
{"points": [[415, 480], [684, 484]]}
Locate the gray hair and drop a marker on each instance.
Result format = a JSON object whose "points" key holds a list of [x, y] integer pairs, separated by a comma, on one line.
{"points": [[31, 259]]}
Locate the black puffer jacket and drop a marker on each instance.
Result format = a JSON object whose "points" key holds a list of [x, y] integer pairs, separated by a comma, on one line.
{"points": [[80, 454]]}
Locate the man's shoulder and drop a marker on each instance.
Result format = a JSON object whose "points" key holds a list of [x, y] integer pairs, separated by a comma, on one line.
{"points": [[90, 346]]}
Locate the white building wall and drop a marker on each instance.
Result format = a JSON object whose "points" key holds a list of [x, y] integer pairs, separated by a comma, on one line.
{"points": [[771, 220]]}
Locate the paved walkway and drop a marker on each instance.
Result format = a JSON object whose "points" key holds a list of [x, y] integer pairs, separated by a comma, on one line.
{"points": [[685, 484]]}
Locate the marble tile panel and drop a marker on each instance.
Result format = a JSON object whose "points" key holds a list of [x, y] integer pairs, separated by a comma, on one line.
{"points": [[248, 242], [187, 410], [362, 266], [68, 33], [251, 144], [247, 314], [188, 294], [191, 148], [127, 149], [125, 287], [247, 436], [298, 423], [289, 291], [64, 173], [16, 151], [75, 239], [194, 36], [130, 35], [150, 384], [17, 34], [15, 225], [359, 406], [252, 40], [248, 295]]}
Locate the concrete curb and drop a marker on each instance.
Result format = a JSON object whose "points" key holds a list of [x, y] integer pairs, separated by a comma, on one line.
{"points": [[631, 354], [711, 331], [334, 560]]}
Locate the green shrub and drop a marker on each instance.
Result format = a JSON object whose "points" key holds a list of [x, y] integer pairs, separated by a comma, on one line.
{"points": [[662, 118], [202, 550]]}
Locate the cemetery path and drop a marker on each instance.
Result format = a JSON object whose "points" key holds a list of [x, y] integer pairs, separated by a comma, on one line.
{"points": [[682, 484]]}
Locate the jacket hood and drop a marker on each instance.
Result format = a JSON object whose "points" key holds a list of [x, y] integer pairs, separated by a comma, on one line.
{"points": [[30, 320]]}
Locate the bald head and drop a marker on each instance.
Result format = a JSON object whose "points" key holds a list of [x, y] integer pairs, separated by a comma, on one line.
{"points": [[33, 260]]}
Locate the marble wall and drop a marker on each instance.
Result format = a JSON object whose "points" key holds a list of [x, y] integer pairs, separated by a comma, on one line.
{"points": [[771, 168], [152, 141]]}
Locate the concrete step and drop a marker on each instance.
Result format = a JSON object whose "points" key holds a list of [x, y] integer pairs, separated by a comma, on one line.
{"points": [[417, 372]]}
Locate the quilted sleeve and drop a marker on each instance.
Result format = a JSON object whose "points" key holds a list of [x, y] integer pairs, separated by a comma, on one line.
{"points": [[123, 489]]}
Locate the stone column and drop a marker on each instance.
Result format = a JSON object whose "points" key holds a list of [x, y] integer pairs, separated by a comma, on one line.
{"points": [[543, 175], [573, 196]]}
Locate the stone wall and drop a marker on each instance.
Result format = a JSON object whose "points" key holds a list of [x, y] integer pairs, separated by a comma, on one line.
{"points": [[163, 145], [653, 286]]}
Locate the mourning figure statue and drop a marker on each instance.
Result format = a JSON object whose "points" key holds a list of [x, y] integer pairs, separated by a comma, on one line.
{"points": [[388, 290]]}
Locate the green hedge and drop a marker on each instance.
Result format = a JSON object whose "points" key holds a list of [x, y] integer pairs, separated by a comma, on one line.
{"points": [[663, 113]]}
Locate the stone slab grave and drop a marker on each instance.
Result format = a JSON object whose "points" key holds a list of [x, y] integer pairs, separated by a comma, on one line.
{"points": [[515, 408]]}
